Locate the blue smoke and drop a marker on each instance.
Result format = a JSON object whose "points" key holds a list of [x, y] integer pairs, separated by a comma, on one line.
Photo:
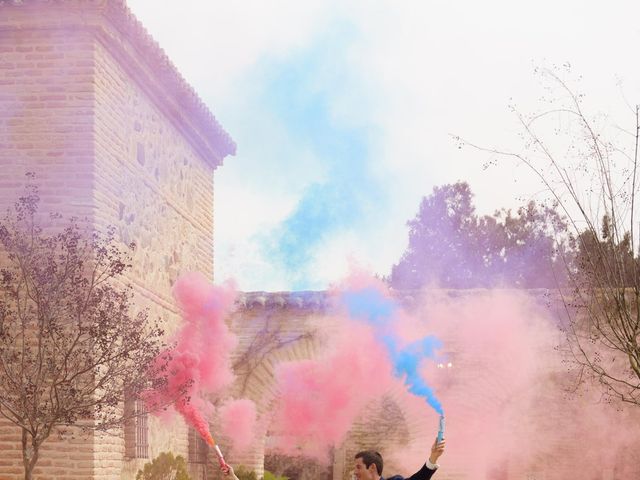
{"points": [[407, 362], [300, 93], [369, 305]]}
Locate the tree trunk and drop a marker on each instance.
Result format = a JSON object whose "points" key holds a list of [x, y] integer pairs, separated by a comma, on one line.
{"points": [[29, 454]]}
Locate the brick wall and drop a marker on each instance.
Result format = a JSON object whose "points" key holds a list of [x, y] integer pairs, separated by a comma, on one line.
{"points": [[91, 104], [46, 114], [288, 316], [158, 192]]}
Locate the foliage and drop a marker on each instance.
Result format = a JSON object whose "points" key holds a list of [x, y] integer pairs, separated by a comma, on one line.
{"points": [[164, 467], [270, 476], [243, 473], [593, 178], [69, 344], [298, 467], [452, 247]]}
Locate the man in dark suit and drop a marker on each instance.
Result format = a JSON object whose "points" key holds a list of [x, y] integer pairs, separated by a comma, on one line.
{"points": [[368, 465]]}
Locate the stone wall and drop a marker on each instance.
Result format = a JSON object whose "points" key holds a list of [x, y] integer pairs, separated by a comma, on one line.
{"points": [[46, 116], [92, 105], [272, 328], [158, 192]]}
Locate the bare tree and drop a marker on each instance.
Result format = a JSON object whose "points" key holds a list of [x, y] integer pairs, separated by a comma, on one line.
{"points": [[70, 346], [590, 168]]}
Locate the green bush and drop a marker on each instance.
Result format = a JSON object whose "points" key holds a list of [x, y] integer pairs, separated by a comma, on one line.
{"points": [[270, 476], [243, 473], [297, 467], [164, 467]]}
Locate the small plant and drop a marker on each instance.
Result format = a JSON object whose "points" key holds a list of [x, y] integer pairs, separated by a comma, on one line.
{"points": [[243, 473], [164, 467], [270, 476]]}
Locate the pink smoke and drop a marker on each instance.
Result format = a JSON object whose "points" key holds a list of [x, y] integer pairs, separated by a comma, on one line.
{"points": [[238, 423], [199, 365], [508, 412], [205, 334], [320, 398], [499, 377]]}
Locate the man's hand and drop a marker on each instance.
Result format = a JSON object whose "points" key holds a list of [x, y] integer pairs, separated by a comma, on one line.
{"points": [[228, 471], [437, 449]]}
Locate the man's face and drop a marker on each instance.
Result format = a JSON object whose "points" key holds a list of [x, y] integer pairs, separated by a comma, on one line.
{"points": [[361, 472]]}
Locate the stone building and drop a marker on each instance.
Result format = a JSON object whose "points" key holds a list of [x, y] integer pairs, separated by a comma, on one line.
{"points": [[92, 105]]}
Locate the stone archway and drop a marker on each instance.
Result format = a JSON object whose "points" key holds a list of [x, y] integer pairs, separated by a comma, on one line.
{"points": [[282, 327], [272, 328]]}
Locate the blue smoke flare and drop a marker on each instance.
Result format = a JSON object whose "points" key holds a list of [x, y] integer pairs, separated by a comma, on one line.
{"points": [[371, 306]]}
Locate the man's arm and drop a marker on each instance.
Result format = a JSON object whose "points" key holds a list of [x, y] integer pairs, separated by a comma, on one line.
{"points": [[430, 467], [437, 449]]}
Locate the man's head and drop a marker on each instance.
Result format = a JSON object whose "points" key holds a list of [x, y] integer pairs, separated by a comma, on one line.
{"points": [[368, 465]]}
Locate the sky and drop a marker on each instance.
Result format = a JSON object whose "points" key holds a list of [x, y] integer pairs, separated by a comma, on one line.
{"points": [[344, 111]]}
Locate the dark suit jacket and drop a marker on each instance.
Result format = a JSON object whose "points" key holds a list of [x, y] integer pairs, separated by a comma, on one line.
{"points": [[423, 474]]}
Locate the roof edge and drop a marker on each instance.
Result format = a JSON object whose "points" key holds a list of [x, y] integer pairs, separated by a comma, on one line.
{"points": [[186, 107]]}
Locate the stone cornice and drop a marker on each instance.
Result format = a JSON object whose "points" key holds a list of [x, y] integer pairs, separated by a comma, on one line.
{"points": [[320, 300], [124, 36], [308, 300]]}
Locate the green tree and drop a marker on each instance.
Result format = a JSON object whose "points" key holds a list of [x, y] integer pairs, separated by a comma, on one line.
{"points": [[298, 467], [451, 246], [597, 255], [533, 247], [442, 244]]}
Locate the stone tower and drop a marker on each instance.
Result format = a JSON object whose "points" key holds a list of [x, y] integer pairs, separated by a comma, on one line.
{"points": [[93, 106]]}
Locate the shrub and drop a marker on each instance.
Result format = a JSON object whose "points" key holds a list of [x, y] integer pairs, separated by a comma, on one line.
{"points": [[270, 476], [164, 467], [243, 473]]}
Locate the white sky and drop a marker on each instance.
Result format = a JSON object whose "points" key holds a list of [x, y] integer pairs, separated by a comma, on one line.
{"points": [[390, 80]]}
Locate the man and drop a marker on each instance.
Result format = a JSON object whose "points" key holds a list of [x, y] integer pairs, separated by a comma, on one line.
{"points": [[368, 465]]}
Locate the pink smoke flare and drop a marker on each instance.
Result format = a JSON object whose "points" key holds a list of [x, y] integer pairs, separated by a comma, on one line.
{"points": [[199, 365], [238, 423]]}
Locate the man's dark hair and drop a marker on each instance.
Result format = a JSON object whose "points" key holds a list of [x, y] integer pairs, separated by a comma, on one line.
{"points": [[368, 457]]}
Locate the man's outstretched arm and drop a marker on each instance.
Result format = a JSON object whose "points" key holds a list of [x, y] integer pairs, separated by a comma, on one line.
{"points": [[437, 449], [431, 465]]}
